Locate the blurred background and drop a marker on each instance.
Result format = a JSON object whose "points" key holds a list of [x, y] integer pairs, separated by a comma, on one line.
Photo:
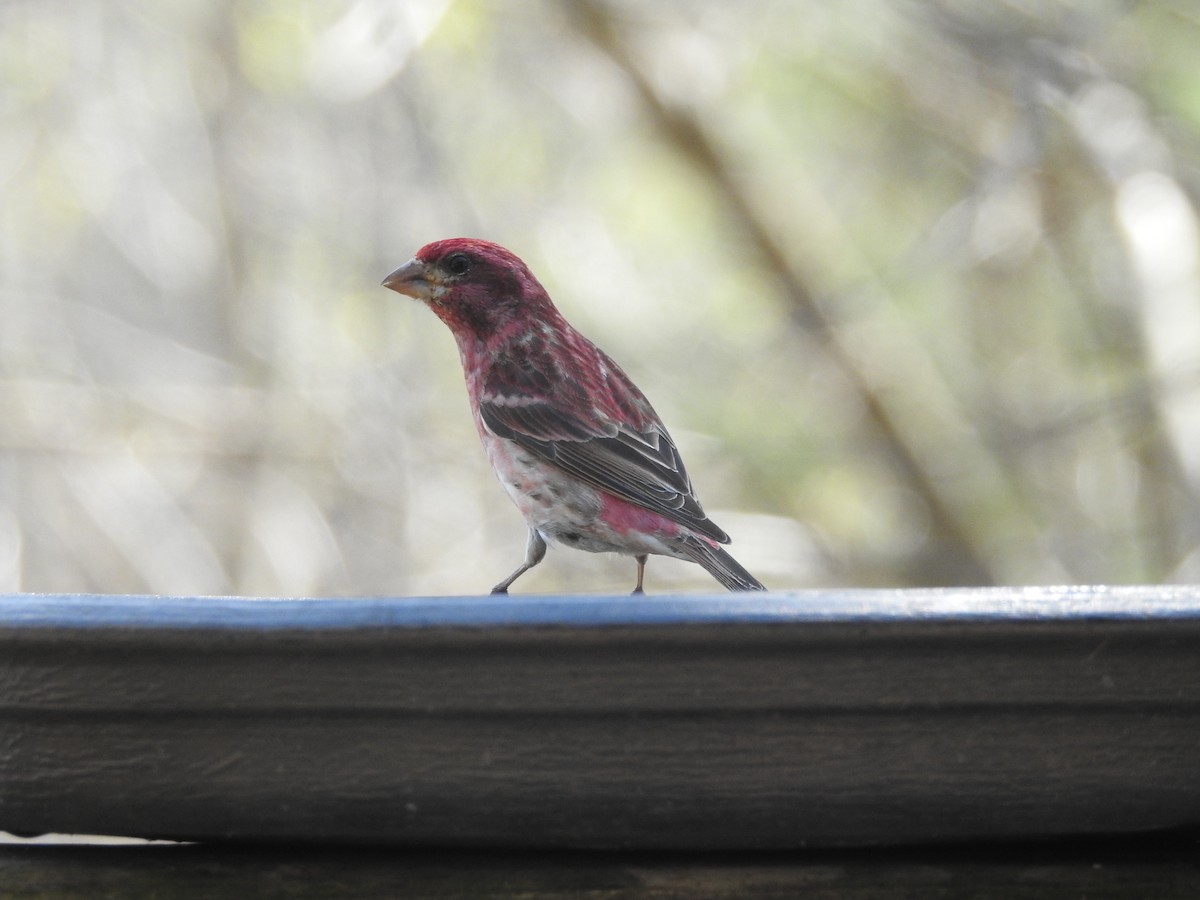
{"points": [[915, 285]]}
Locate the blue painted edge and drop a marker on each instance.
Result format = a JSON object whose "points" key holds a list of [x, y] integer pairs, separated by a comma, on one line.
{"points": [[110, 611]]}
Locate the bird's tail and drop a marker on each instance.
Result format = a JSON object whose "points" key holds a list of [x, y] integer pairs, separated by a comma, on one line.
{"points": [[720, 565]]}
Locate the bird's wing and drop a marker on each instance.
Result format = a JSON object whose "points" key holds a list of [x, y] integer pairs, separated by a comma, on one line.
{"points": [[636, 462]]}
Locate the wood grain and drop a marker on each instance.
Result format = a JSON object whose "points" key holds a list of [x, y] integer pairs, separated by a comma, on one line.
{"points": [[1164, 869], [728, 722]]}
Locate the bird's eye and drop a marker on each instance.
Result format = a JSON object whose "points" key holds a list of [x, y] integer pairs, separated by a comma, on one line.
{"points": [[457, 264]]}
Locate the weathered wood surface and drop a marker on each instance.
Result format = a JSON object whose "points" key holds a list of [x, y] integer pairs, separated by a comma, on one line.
{"points": [[725, 722], [1166, 868]]}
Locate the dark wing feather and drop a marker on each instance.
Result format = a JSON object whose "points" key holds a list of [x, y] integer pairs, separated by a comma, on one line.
{"points": [[640, 466]]}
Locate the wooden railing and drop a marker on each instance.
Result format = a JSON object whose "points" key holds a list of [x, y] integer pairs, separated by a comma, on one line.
{"points": [[656, 724]]}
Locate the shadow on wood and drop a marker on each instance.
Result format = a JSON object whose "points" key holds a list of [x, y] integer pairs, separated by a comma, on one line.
{"points": [[1162, 867]]}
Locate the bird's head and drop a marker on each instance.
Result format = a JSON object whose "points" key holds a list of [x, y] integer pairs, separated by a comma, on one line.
{"points": [[476, 287]]}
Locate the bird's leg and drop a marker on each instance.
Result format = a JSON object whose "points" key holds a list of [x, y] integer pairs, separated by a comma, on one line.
{"points": [[535, 550], [641, 561]]}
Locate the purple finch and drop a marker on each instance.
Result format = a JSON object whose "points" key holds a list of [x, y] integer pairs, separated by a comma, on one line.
{"points": [[577, 446]]}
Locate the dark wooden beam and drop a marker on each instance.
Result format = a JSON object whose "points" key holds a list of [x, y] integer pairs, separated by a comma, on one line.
{"points": [[730, 722], [1164, 868]]}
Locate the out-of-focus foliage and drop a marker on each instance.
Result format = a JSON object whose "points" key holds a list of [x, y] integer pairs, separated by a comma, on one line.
{"points": [[916, 285]]}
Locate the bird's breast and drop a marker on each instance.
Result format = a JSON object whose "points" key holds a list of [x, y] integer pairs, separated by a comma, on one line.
{"points": [[567, 511], [550, 499]]}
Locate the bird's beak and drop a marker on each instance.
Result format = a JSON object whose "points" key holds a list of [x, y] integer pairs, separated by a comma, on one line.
{"points": [[412, 279]]}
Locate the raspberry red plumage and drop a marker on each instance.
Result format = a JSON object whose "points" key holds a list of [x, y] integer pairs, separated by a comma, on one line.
{"points": [[576, 445]]}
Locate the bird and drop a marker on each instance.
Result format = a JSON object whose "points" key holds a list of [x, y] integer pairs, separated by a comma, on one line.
{"points": [[576, 445]]}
